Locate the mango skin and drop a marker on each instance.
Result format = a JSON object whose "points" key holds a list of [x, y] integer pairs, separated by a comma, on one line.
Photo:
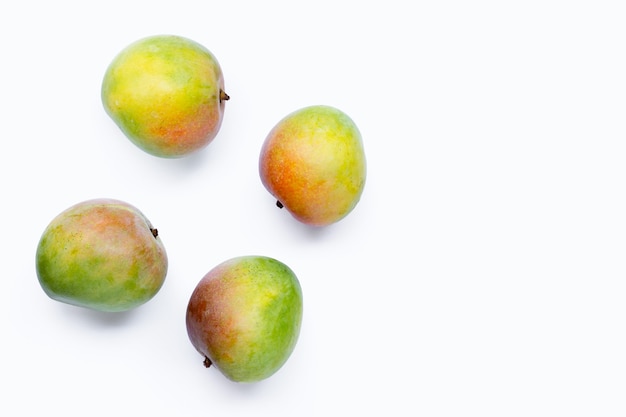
{"points": [[101, 254], [244, 317], [166, 93], [313, 162]]}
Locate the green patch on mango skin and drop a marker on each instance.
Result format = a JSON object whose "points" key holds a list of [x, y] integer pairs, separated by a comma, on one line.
{"points": [[101, 254], [244, 317]]}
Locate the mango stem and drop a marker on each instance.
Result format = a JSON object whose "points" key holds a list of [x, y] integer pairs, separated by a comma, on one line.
{"points": [[207, 362]]}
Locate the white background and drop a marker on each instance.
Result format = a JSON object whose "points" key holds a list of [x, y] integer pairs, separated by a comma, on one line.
{"points": [[482, 273]]}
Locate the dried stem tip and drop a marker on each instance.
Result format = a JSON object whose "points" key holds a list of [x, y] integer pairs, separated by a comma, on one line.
{"points": [[224, 96]]}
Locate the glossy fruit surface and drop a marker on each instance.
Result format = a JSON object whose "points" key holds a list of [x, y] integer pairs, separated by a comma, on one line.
{"points": [[166, 93], [313, 163], [101, 254], [244, 317]]}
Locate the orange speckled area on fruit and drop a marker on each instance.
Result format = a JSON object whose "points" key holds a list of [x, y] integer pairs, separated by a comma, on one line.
{"points": [[164, 93], [313, 162]]}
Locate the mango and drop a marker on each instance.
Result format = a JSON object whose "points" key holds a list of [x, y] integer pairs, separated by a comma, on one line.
{"points": [[102, 254], [244, 317], [166, 93], [313, 162]]}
